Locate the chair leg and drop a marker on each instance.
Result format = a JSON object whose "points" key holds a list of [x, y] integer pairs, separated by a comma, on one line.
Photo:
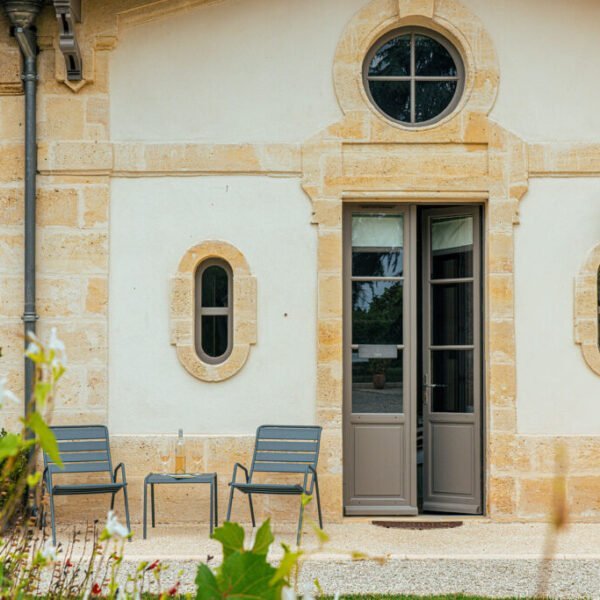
{"points": [[152, 505], [112, 502], [52, 522], [145, 507], [251, 510], [319, 503], [212, 507], [300, 519], [125, 499], [230, 503], [216, 502]]}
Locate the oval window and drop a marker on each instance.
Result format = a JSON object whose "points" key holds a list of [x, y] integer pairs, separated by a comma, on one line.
{"points": [[214, 312], [414, 76]]}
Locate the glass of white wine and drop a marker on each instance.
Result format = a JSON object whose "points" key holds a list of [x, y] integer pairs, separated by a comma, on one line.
{"points": [[197, 458], [164, 454]]}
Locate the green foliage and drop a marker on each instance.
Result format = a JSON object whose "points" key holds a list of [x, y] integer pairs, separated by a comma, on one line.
{"points": [[44, 436], [10, 447], [245, 573]]}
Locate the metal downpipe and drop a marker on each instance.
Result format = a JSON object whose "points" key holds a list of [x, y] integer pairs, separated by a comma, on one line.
{"points": [[22, 15], [29, 313]]}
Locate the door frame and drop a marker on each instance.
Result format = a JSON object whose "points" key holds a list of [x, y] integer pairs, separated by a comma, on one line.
{"points": [[412, 340]]}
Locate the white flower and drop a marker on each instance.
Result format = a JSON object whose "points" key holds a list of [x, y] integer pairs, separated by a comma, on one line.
{"points": [[33, 348], [336, 596], [57, 345], [288, 593], [114, 528], [48, 552], [6, 394]]}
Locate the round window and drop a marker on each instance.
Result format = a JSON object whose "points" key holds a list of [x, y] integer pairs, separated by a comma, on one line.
{"points": [[414, 76]]}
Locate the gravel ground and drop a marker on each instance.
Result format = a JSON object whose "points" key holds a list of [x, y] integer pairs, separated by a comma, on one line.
{"points": [[478, 576]]}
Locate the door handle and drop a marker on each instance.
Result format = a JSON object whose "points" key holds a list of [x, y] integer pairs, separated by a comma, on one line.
{"points": [[432, 385]]}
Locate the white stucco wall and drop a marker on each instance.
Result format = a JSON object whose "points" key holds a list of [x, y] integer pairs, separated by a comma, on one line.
{"points": [[260, 70], [549, 55], [557, 393], [153, 223], [236, 71]]}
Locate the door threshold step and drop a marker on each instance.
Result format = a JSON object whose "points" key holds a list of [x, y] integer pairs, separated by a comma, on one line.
{"points": [[419, 525]]}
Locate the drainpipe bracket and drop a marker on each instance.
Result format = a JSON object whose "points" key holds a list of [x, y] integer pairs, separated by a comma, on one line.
{"points": [[68, 12], [30, 317]]}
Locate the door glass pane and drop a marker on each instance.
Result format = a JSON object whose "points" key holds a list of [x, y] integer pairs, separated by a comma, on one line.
{"points": [[451, 247], [377, 263], [376, 384], [377, 312], [452, 314], [452, 370], [214, 287], [214, 334], [377, 231]]}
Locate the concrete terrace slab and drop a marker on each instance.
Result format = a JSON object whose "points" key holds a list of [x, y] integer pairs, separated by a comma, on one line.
{"points": [[480, 557], [476, 538]]}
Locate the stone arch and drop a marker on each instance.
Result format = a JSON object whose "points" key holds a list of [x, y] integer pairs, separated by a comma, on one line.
{"points": [[586, 309], [447, 17], [182, 309]]}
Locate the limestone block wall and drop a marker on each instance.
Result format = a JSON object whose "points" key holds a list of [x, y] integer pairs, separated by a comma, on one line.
{"points": [[72, 235]]}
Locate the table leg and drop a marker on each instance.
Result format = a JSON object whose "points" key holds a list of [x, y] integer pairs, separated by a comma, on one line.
{"points": [[216, 502], [152, 503], [212, 505], [145, 505]]}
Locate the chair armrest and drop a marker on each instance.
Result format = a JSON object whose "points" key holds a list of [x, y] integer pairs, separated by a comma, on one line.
{"points": [[235, 468], [120, 466]]}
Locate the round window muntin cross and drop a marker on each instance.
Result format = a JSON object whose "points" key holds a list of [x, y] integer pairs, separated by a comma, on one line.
{"points": [[459, 78]]}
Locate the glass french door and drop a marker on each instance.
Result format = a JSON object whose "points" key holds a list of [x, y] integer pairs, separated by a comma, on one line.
{"points": [[378, 429], [451, 350], [412, 360]]}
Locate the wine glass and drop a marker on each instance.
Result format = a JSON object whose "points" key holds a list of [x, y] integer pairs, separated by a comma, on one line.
{"points": [[197, 458], [164, 454]]}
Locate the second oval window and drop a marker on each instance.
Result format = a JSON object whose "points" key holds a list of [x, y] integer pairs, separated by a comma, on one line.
{"points": [[214, 311], [414, 76]]}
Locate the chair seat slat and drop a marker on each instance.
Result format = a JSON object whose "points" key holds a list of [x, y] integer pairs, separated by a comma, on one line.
{"points": [[83, 457], [286, 457], [88, 446], [269, 488], [268, 467], [87, 488], [274, 432], [271, 445], [96, 432], [96, 467]]}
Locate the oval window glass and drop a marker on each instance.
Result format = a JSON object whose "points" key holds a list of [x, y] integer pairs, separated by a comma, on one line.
{"points": [[213, 311], [414, 76]]}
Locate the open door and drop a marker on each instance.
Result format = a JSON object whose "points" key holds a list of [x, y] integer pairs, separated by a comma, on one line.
{"points": [[451, 347]]}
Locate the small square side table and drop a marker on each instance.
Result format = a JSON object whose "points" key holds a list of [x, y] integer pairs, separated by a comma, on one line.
{"points": [[153, 479]]}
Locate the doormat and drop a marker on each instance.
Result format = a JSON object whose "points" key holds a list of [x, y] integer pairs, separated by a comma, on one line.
{"points": [[418, 524]]}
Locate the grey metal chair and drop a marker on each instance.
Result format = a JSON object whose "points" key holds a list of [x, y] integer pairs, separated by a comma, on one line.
{"points": [[282, 449], [83, 449]]}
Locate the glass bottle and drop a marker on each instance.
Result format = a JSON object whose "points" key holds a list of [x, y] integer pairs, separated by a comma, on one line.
{"points": [[180, 454]]}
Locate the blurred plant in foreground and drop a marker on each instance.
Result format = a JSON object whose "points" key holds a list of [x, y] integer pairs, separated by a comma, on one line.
{"points": [[558, 519]]}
